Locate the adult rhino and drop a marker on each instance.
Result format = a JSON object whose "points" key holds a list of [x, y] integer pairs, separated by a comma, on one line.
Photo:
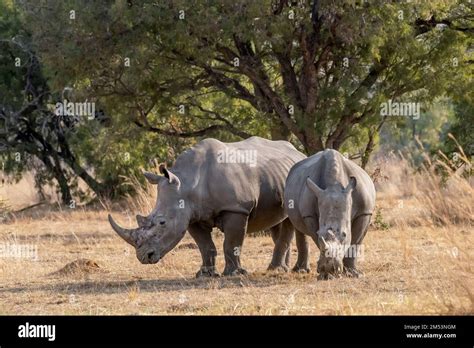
{"points": [[331, 199], [237, 187]]}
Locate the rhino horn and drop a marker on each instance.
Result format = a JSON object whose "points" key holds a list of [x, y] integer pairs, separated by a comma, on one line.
{"points": [[331, 233], [127, 235], [313, 187], [323, 243]]}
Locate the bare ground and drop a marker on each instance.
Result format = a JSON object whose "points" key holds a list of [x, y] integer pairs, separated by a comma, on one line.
{"points": [[407, 270]]}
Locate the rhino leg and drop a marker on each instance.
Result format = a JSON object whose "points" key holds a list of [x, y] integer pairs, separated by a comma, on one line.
{"points": [[282, 235], [359, 230], [234, 226], [302, 263], [202, 236]]}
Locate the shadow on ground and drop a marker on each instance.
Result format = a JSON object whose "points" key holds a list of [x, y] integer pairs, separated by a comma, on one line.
{"points": [[258, 280]]}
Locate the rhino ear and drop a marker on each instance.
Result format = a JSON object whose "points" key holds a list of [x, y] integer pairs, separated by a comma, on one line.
{"points": [[141, 220], [172, 178], [152, 178], [313, 187], [352, 184]]}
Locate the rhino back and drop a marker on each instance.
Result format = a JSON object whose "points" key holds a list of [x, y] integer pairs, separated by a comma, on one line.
{"points": [[325, 168], [250, 188]]}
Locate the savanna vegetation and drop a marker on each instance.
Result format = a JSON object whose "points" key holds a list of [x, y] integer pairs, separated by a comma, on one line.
{"points": [[163, 75], [92, 93]]}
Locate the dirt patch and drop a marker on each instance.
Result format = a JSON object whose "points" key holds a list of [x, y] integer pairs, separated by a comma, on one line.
{"points": [[78, 267]]}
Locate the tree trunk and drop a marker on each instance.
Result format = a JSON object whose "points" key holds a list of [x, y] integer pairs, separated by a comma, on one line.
{"points": [[99, 189], [369, 148], [55, 168], [68, 157], [66, 196], [367, 152]]}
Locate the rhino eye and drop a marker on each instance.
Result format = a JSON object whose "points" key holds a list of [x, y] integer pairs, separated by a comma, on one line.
{"points": [[344, 234]]}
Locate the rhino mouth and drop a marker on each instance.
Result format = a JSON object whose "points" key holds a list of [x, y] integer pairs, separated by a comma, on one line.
{"points": [[153, 254], [329, 269], [149, 258], [330, 263]]}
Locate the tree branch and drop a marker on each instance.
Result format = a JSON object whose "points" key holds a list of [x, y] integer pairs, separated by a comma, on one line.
{"points": [[424, 25], [190, 134]]}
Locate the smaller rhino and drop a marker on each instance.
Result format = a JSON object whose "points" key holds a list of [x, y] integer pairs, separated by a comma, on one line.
{"points": [[331, 199]]}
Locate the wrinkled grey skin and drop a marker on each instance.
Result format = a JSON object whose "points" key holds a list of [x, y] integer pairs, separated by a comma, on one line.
{"points": [[200, 192], [331, 199]]}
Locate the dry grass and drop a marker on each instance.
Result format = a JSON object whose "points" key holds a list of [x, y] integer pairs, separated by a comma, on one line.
{"points": [[421, 264], [409, 198]]}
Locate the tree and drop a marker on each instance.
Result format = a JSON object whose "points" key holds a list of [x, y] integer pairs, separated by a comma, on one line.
{"points": [[29, 128], [462, 95], [312, 69]]}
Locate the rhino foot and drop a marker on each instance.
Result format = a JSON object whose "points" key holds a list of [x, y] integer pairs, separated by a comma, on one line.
{"points": [[301, 269], [327, 276], [352, 272], [207, 272], [278, 268], [235, 272]]}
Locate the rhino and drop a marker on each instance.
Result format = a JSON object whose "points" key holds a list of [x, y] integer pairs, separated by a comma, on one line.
{"points": [[237, 187], [331, 199]]}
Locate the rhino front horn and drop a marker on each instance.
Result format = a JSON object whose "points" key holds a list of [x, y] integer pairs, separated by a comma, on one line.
{"points": [[127, 235]]}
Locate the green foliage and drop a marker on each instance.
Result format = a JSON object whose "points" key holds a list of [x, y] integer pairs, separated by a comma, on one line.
{"points": [[168, 73], [183, 53], [13, 160], [412, 137], [463, 125], [379, 221]]}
